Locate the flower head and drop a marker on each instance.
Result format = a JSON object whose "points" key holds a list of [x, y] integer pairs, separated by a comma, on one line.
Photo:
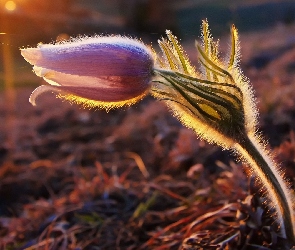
{"points": [[102, 72], [217, 103]]}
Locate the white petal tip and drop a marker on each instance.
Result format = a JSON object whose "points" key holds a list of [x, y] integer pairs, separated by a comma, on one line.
{"points": [[32, 101], [40, 90], [31, 55]]}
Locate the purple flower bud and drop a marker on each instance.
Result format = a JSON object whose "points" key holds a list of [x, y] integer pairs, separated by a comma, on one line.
{"points": [[96, 72]]}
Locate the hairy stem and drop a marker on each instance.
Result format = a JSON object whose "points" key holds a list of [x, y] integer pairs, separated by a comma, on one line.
{"points": [[274, 184]]}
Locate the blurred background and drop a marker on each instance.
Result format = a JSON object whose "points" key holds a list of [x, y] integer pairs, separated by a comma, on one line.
{"points": [[28, 22], [266, 28], [70, 147]]}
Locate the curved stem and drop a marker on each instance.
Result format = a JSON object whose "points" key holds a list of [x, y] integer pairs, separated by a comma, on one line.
{"points": [[274, 184]]}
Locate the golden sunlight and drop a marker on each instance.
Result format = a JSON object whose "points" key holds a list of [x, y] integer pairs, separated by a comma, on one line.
{"points": [[10, 5]]}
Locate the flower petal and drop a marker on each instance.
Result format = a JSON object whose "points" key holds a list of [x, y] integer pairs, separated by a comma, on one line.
{"points": [[102, 94], [40, 90], [99, 56], [101, 89], [58, 78]]}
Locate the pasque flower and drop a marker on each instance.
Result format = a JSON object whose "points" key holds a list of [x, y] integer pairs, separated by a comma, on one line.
{"points": [[103, 72], [216, 102]]}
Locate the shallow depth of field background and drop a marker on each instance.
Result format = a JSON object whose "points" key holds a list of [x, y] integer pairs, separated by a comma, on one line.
{"points": [[56, 156]]}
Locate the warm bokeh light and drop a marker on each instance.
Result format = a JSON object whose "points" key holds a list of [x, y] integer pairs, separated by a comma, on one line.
{"points": [[10, 5], [62, 37]]}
